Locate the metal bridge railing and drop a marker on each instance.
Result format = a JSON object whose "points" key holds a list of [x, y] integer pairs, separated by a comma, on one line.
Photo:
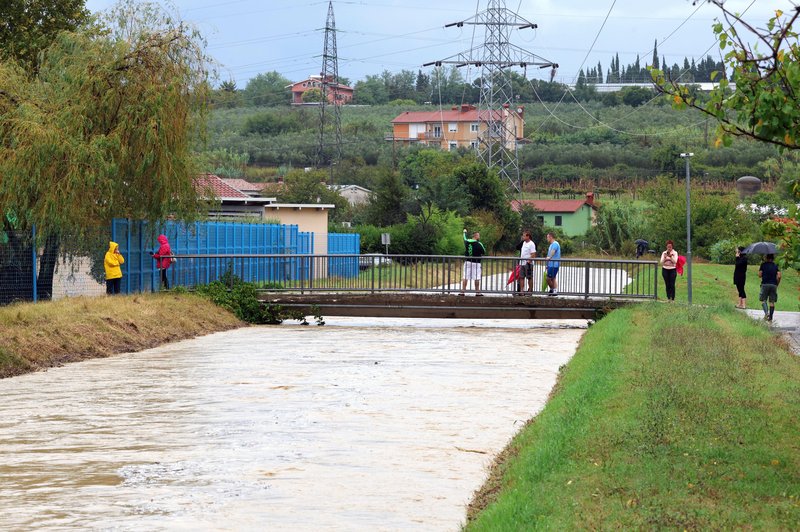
{"points": [[433, 274]]}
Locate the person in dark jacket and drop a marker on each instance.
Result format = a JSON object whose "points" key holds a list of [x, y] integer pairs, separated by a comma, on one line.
{"points": [[770, 276], [163, 259], [740, 276]]}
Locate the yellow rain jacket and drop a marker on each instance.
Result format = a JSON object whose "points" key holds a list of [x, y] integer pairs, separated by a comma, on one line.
{"points": [[113, 261]]}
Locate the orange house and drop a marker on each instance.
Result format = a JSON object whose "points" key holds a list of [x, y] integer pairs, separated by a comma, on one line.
{"points": [[338, 94], [458, 127]]}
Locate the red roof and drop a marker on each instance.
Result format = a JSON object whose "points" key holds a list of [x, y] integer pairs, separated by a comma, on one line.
{"points": [[242, 184], [552, 205], [419, 117], [216, 185]]}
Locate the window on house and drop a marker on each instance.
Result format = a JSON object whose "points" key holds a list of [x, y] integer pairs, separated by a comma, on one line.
{"points": [[453, 146], [473, 144], [452, 127], [474, 127], [558, 221], [437, 132], [541, 218]]}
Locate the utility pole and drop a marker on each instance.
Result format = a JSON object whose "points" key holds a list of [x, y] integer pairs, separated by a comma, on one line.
{"points": [[330, 85], [498, 112], [686, 157]]}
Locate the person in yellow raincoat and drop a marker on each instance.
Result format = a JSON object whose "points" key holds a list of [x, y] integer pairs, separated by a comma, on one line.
{"points": [[112, 263]]}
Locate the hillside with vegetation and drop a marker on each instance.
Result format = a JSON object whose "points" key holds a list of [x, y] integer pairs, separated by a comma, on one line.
{"points": [[627, 153]]}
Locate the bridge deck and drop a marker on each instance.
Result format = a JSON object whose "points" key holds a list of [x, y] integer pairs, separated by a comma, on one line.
{"points": [[445, 306]]}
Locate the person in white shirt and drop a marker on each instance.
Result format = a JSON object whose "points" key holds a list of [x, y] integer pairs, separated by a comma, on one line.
{"points": [[526, 253]]}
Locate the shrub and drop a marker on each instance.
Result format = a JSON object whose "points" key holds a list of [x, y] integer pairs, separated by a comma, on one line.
{"points": [[722, 252]]}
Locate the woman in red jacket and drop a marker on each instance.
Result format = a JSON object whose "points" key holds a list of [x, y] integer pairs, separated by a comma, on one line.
{"points": [[163, 259]]}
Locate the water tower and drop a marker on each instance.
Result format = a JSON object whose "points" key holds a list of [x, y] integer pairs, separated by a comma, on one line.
{"points": [[747, 186]]}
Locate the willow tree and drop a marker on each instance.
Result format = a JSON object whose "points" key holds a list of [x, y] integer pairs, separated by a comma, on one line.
{"points": [[103, 129]]}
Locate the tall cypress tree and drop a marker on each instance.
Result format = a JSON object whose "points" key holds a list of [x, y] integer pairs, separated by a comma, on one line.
{"points": [[655, 54]]}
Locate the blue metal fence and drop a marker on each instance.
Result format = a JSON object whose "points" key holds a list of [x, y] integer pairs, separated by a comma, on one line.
{"points": [[343, 244], [137, 242]]}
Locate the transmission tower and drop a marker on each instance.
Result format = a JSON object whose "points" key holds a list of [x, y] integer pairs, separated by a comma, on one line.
{"points": [[330, 86], [497, 141]]}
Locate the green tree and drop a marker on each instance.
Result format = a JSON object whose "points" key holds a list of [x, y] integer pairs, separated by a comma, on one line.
{"points": [[29, 26], [312, 95], [267, 89], [371, 91], [102, 130], [226, 96], [311, 187], [390, 200], [763, 103]]}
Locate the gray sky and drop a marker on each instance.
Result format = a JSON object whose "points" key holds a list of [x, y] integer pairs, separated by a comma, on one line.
{"points": [[249, 37]]}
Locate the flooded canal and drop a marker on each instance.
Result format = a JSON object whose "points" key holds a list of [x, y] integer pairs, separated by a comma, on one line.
{"points": [[363, 424]]}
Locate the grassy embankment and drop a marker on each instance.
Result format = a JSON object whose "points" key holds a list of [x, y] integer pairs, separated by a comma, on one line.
{"points": [[44, 335], [666, 417]]}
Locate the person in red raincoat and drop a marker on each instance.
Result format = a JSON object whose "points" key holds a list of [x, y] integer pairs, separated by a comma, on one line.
{"points": [[163, 260]]}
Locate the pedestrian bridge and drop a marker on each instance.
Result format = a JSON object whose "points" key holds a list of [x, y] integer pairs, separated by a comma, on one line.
{"points": [[378, 285]]}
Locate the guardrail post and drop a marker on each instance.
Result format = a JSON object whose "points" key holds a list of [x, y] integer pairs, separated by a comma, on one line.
{"points": [[372, 274], [586, 279], [655, 282]]}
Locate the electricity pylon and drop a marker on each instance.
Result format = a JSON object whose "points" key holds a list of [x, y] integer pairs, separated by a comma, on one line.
{"points": [[329, 80], [497, 140]]}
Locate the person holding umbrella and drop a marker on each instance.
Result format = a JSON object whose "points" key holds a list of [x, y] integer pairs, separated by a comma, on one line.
{"points": [[770, 279], [740, 276]]}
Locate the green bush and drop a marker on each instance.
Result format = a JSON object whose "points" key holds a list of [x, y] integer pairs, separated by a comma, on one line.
{"points": [[237, 296], [723, 252]]}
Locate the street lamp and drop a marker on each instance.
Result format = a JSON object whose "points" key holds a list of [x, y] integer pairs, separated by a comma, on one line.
{"points": [[686, 157]]}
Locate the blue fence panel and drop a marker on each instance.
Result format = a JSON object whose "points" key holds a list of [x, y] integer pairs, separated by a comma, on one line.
{"points": [[343, 244], [137, 242]]}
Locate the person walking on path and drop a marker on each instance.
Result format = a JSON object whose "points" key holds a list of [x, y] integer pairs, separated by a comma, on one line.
{"points": [[740, 276], [669, 263], [770, 276], [163, 259], [526, 253], [112, 262], [553, 254], [473, 250]]}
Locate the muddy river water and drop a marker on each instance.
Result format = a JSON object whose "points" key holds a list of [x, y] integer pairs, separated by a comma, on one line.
{"points": [[362, 424]]}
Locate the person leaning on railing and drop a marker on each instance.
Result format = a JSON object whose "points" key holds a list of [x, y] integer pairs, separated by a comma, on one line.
{"points": [[473, 251]]}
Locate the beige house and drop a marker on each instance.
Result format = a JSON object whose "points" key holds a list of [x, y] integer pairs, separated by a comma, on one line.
{"points": [[459, 127], [310, 218]]}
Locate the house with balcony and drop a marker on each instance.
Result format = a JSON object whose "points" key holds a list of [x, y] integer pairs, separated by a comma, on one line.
{"points": [[337, 94], [461, 126], [574, 217]]}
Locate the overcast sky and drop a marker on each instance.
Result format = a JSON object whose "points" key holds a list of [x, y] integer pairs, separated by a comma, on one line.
{"points": [[249, 37]]}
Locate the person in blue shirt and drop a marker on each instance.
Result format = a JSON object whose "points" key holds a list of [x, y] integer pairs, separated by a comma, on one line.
{"points": [[770, 279], [553, 253]]}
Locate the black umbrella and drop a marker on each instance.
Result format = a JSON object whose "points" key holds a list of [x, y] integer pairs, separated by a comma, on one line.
{"points": [[764, 248], [641, 242]]}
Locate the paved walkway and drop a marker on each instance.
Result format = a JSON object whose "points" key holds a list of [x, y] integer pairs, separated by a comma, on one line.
{"points": [[784, 322]]}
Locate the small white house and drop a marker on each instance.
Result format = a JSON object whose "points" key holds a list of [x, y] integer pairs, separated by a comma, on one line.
{"points": [[354, 194]]}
